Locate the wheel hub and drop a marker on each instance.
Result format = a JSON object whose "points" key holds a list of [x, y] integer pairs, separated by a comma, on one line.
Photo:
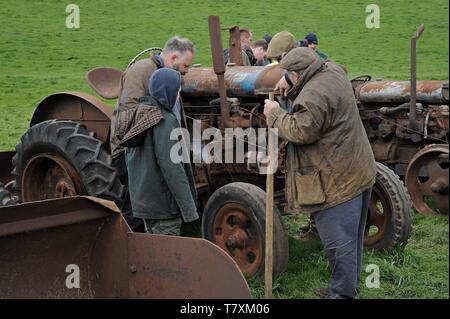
{"points": [[48, 176], [377, 219], [427, 180], [236, 231]]}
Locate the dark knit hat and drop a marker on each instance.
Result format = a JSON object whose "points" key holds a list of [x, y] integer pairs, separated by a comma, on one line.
{"points": [[312, 38]]}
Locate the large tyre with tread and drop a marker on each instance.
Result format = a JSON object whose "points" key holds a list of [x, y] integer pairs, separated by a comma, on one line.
{"points": [[389, 222], [234, 219], [60, 158]]}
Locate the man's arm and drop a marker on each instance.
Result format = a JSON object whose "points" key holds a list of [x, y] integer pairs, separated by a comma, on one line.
{"points": [[302, 127], [173, 173]]}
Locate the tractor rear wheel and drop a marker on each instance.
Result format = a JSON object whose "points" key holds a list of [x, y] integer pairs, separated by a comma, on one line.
{"points": [[59, 158], [234, 219]]}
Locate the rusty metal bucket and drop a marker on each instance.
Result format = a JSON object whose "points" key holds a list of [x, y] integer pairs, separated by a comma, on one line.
{"points": [[39, 240]]}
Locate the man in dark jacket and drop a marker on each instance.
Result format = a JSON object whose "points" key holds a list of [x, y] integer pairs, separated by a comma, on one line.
{"points": [[161, 188], [330, 167], [178, 54]]}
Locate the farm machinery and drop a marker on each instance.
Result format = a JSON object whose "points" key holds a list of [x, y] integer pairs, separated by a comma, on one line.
{"points": [[66, 152]]}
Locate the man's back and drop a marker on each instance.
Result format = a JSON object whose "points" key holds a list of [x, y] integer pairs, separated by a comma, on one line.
{"points": [[133, 86]]}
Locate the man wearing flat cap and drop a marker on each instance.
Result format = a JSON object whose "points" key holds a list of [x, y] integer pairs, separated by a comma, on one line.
{"points": [[330, 167], [280, 44]]}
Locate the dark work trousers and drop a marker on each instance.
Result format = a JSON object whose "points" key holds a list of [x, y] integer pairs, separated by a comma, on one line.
{"points": [[119, 164], [341, 230]]}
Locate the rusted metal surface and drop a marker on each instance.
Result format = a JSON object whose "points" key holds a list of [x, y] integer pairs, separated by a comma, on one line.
{"points": [[226, 120], [384, 150], [379, 92], [413, 83], [237, 233], [235, 46], [239, 81], [48, 176], [76, 106], [427, 179], [105, 81], [268, 78], [39, 240], [182, 268]]}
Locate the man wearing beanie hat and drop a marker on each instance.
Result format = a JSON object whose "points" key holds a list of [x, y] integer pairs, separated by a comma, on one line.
{"points": [[330, 167], [312, 42]]}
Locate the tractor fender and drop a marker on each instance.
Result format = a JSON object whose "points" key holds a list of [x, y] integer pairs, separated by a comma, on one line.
{"points": [[76, 106]]}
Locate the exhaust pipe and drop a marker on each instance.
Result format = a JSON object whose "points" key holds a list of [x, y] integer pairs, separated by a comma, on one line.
{"points": [[414, 126], [215, 36]]}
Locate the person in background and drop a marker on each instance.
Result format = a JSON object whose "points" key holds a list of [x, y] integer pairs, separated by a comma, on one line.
{"points": [[312, 41], [268, 38], [259, 49], [281, 43], [246, 39]]}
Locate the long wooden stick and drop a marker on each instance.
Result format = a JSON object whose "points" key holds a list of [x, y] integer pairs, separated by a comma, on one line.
{"points": [[269, 215]]}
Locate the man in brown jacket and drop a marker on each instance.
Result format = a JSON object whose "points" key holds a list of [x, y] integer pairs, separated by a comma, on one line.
{"points": [[178, 54], [330, 167]]}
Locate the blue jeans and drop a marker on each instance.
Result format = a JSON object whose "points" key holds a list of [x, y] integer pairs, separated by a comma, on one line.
{"points": [[341, 230]]}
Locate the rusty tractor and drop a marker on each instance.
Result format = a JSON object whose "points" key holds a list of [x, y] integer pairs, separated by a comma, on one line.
{"points": [[66, 152]]}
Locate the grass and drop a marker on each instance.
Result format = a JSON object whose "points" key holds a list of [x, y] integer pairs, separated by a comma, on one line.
{"points": [[40, 56], [418, 270]]}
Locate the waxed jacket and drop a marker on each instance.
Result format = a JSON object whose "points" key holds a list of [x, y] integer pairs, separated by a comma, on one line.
{"points": [[328, 156], [159, 187]]}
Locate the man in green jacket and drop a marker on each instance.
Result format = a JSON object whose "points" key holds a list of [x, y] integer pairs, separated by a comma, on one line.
{"points": [[330, 167], [162, 188]]}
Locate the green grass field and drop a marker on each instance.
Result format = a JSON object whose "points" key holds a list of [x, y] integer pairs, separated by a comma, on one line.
{"points": [[40, 56]]}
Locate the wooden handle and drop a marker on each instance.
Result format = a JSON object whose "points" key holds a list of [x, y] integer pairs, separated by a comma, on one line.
{"points": [[269, 216]]}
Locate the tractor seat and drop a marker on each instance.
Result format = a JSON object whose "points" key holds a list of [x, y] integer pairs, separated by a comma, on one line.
{"points": [[105, 81]]}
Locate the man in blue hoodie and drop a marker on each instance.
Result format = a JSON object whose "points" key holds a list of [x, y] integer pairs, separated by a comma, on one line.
{"points": [[162, 189]]}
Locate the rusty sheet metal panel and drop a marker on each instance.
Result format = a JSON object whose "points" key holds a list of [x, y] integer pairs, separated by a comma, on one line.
{"points": [[76, 106], [166, 266], [428, 92], [38, 241], [240, 81]]}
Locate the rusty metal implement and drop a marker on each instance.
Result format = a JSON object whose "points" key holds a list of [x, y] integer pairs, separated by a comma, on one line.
{"points": [[40, 240]]}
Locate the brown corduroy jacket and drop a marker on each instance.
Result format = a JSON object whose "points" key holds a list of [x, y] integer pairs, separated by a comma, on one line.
{"points": [[134, 85]]}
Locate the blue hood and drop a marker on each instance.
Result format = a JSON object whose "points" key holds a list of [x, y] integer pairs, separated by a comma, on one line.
{"points": [[164, 85]]}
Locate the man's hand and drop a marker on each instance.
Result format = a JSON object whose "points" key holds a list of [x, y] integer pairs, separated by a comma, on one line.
{"points": [[282, 86], [269, 105]]}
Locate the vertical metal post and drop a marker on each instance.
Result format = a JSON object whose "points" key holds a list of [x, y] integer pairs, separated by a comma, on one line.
{"points": [[412, 113], [413, 125], [235, 46]]}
